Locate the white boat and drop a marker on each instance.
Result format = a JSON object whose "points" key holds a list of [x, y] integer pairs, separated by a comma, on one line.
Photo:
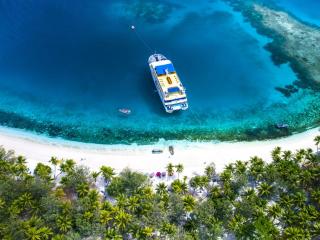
{"points": [[125, 111], [170, 89]]}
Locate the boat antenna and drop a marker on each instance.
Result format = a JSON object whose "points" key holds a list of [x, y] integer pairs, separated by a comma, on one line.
{"points": [[133, 28]]}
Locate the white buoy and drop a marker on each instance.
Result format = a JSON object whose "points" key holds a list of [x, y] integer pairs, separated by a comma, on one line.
{"points": [[133, 27]]}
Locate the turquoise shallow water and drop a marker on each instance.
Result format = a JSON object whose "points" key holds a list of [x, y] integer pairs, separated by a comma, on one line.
{"points": [[65, 69]]}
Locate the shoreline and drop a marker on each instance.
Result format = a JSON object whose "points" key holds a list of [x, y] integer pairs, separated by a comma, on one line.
{"points": [[193, 155]]}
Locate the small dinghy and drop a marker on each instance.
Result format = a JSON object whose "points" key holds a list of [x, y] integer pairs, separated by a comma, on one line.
{"points": [[157, 151], [171, 150], [124, 111]]}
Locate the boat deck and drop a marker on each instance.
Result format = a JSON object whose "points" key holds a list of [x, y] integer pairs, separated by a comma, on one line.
{"points": [[165, 73], [171, 81]]}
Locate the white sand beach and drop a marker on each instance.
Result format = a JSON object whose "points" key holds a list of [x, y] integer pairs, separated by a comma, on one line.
{"points": [[194, 156]]}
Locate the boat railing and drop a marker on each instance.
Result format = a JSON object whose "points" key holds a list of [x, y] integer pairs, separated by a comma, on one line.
{"points": [[156, 58]]}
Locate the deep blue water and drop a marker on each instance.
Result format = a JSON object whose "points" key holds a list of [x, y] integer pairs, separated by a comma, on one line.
{"points": [[307, 10], [72, 64]]}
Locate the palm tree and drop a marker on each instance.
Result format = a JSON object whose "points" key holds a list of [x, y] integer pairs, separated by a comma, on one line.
{"points": [[287, 155], [161, 188], [112, 234], [215, 193], [250, 193], [315, 196], [20, 166], [21, 160], [230, 167], [168, 230], [179, 169], [107, 173], [55, 162], [94, 198], [105, 216], [286, 201], [88, 215], [288, 217], [300, 156], [46, 232], [309, 152], [64, 223], [276, 154], [240, 167], [122, 219], [43, 172], [204, 182], [170, 169], [316, 229], [294, 233], [210, 171], [146, 192], [226, 176], [189, 203], [26, 201], [176, 186], [58, 237], [67, 166], [317, 142], [228, 191], [306, 216], [275, 211], [33, 233], [95, 176], [122, 201], [195, 183], [265, 190], [83, 189], [184, 187], [300, 199], [236, 223], [146, 232], [256, 168], [133, 203]]}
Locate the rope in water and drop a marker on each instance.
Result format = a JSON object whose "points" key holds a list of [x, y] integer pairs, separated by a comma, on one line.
{"points": [[133, 28]]}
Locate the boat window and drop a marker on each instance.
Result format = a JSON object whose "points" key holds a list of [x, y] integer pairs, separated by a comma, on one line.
{"points": [[173, 89], [169, 80]]}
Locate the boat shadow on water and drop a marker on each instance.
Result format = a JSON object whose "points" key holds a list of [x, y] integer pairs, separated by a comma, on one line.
{"points": [[151, 96]]}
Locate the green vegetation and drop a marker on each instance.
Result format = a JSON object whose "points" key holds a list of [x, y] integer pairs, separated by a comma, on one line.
{"points": [[250, 200]]}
